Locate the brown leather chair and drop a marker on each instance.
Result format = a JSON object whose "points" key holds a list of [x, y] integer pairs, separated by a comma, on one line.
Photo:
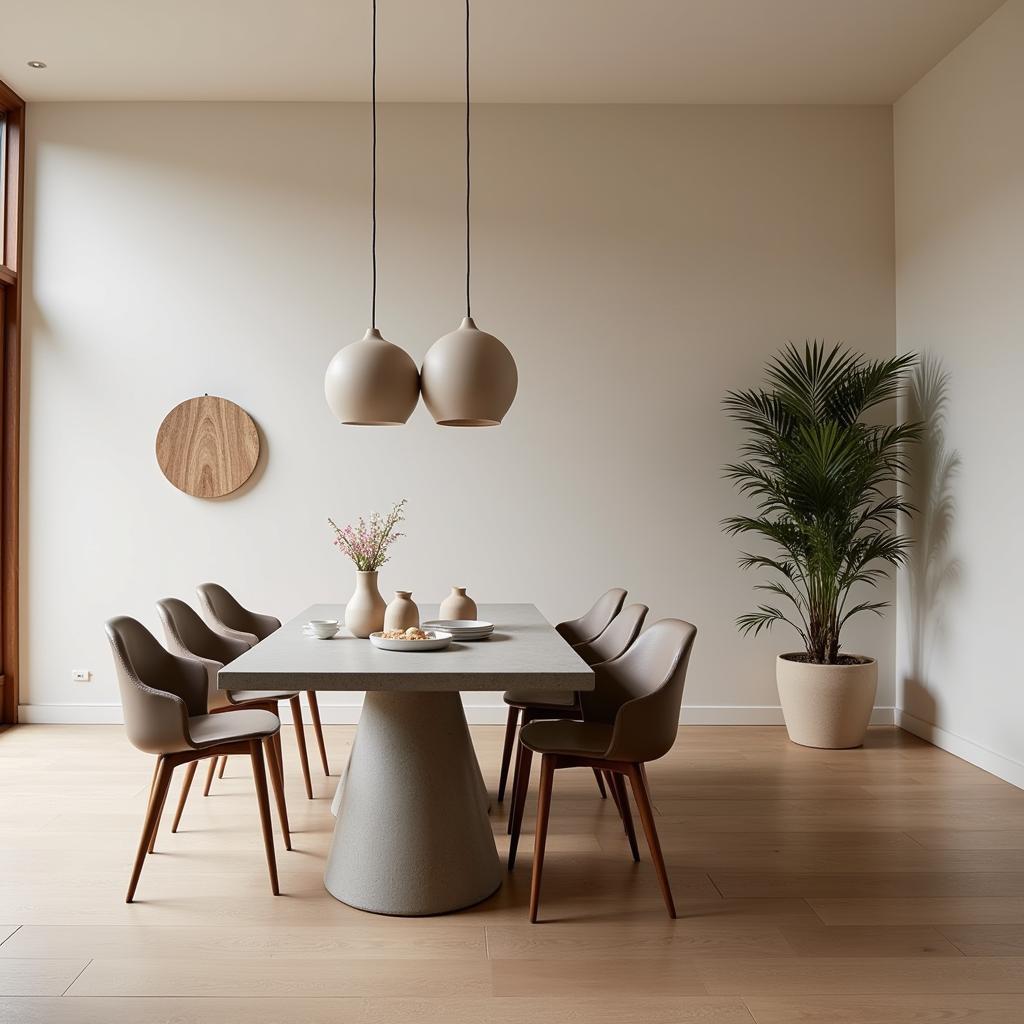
{"points": [[189, 637], [228, 617], [590, 626], [630, 718], [616, 638], [164, 699]]}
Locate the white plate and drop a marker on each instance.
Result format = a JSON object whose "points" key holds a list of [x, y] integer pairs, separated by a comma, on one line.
{"points": [[459, 625], [438, 641]]}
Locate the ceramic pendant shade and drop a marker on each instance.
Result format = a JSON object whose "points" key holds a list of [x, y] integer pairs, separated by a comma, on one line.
{"points": [[372, 383], [469, 378]]}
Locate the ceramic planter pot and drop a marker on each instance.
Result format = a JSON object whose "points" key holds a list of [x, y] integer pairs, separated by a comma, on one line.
{"points": [[402, 612], [826, 705], [364, 613], [458, 605]]}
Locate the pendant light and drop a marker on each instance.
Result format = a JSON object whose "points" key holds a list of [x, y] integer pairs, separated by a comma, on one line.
{"points": [[372, 382], [469, 378]]}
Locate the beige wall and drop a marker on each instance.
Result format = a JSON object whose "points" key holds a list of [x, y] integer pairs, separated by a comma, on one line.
{"points": [[960, 300], [638, 261]]}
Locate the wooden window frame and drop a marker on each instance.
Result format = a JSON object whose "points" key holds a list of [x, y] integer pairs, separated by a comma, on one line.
{"points": [[11, 279]]}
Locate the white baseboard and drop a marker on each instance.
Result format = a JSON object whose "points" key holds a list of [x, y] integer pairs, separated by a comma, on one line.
{"points": [[477, 714], [1005, 768]]}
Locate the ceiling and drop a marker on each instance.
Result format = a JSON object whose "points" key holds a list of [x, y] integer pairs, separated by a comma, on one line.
{"points": [[532, 51]]}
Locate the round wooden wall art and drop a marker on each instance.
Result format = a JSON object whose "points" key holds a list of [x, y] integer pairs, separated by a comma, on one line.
{"points": [[207, 447]]}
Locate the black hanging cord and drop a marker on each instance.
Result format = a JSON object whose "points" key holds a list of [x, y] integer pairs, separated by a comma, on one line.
{"points": [[373, 191], [467, 160]]}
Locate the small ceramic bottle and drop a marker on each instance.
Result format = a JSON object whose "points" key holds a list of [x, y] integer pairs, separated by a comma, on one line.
{"points": [[457, 605], [401, 612]]}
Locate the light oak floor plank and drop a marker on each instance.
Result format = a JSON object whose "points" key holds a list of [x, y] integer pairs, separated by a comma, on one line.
{"points": [[891, 1009], [39, 977]]}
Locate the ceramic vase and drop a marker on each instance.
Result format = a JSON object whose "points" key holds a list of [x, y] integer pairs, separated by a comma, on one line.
{"points": [[364, 613], [402, 612], [457, 605]]}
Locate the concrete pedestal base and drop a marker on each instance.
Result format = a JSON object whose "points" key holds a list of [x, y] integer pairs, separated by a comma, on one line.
{"points": [[412, 836]]}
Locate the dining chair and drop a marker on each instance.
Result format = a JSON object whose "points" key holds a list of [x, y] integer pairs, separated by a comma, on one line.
{"points": [[227, 616], [189, 637], [164, 697], [631, 717], [591, 625], [616, 638]]}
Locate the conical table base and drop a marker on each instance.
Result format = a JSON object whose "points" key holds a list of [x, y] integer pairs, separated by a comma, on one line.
{"points": [[412, 836]]}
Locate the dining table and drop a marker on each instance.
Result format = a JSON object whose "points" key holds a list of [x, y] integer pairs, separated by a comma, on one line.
{"points": [[412, 835]]}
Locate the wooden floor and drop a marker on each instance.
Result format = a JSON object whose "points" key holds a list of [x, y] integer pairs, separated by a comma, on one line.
{"points": [[873, 886]]}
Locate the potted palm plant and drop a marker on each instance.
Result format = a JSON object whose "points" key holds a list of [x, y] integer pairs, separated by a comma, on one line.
{"points": [[823, 481]]}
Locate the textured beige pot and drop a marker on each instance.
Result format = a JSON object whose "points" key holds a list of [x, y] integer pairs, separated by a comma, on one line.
{"points": [[364, 613], [826, 705], [458, 605], [402, 612]]}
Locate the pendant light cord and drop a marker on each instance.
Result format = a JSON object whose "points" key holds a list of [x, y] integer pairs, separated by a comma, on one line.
{"points": [[467, 162], [373, 161]]}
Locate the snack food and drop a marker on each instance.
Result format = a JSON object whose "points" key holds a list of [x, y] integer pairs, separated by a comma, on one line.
{"points": [[412, 633]]}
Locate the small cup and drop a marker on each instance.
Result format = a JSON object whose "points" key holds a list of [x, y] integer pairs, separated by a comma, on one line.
{"points": [[323, 629]]}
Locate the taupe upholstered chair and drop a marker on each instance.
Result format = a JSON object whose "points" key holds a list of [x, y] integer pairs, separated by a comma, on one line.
{"points": [[616, 638], [590, 626], [189, 637], [164, 698], [227, 616], [630, 718]]}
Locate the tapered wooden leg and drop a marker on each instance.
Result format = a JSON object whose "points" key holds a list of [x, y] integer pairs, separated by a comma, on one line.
{"points": [[190, 774], [627, 818], [209, 776], [547, 778], [223, 765], [600, 784], [158, 792], [615, 793], [506, 751], [515, 787], [300, 740], [260, 778], [275, 783], [318, 729], [159, 812], [643, 803], [276, 740], [524, 761]]}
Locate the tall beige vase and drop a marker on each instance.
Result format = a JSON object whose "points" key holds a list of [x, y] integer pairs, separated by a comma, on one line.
{"points": [[826, 705], [402, 611], [457, 605], [364, 613]]}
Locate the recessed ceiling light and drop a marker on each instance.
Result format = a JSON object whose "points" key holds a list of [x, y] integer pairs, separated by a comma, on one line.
{"points": [[36, 64]]}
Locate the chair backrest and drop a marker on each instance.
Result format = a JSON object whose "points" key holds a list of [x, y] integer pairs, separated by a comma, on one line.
{"points": [[188, 636], [225, 613], [641, 691], [617, 638], [590, 626], [159, 690]]}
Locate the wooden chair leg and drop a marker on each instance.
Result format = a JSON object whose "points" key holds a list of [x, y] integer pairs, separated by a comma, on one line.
{"points": [[524, 760], [260, 778], [318, 729], [547, 777], [506, 750], [209, 775], [600, 784], [643, 803], [300, 740], [158, 792], [159, 811], [515, 786], [223, 765], [627, 818], [190, 774], [275, 782], [610, 782]]}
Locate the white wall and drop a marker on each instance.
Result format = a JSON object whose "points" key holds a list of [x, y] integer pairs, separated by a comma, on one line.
{"points": [[960, 300], [638, 261]]}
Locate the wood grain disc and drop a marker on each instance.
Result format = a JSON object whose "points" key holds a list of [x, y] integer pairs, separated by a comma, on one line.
{"points": [[207, 447]]}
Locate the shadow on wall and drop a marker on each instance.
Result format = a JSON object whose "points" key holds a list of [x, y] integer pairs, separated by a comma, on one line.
{"points": [[932, 571]]}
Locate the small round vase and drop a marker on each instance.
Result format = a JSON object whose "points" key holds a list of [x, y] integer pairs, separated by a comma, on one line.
{"points": [[457, 605], [364, 613], [402, 612]]}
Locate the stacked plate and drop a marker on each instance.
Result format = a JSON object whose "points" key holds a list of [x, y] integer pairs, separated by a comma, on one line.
{"points": [[462, 629]]}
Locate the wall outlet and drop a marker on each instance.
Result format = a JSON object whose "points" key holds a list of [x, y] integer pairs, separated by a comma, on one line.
{"points": [[81, 675]]}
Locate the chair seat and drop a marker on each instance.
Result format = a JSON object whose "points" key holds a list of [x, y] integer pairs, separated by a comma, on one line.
{"points": [[244, 696], [540, 698], [210, 730], [583, 739]]}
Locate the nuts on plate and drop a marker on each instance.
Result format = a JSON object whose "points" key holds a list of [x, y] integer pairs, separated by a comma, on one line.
{"points": [[412, 633]]}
